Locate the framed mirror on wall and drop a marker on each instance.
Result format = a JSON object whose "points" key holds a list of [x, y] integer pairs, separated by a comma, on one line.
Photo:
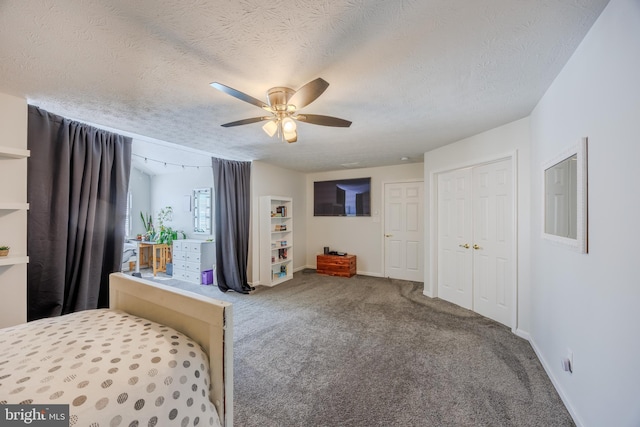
{"points": [[565, 215], [202, 211]]}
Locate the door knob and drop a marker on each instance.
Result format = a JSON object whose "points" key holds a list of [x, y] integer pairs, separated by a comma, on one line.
{"points": [[476, 247], [388, 235], [466, 246]]}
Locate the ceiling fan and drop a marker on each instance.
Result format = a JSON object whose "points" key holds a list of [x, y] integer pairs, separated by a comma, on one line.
{"points": [[284, 105]]}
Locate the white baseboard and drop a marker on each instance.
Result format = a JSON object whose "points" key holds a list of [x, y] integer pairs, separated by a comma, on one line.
{"points": [[368, 273], [556, 383], [523, 334], [363, 273], [427, 294]]}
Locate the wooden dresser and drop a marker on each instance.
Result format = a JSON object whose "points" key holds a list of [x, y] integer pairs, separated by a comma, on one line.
{"points": [[335, 265]]}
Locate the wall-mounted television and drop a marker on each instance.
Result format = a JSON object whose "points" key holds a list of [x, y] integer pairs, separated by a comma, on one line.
{"points": [[342, 197]]}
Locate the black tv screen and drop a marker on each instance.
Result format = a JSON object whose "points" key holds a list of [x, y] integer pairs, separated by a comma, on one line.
{"points": [[342, 197]]}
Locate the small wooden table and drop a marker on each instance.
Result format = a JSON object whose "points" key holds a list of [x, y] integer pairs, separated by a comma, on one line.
{"points": [[160, 256], [336, 265]]}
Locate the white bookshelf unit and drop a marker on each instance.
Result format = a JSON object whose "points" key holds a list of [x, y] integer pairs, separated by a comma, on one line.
{"points": [[276, 239], [13, 210]]}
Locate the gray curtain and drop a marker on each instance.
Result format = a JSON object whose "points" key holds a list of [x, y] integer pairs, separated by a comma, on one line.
{"points": [[78, 178], [232, 209]]}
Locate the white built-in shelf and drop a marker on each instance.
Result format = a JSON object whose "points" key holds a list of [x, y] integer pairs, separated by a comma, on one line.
{"points": [[14, 206], [13, 153], [275, 212], [13, 259], [281, 247], [279, 280]]}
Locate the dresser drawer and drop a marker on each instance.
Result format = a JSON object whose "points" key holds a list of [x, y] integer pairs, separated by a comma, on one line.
{"points": [[178, 264], [179, 273], [193, 256], [193, 247], [193, 277], [193, 266]]}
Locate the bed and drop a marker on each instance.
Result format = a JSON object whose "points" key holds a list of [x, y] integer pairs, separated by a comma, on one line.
{"points": [[157, 356], [129, 255]]}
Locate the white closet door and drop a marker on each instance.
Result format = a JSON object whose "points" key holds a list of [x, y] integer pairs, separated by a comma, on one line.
{"points": [[454, 237], [493, 240]]}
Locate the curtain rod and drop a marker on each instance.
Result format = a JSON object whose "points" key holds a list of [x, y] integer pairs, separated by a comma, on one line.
{"points": [[183, 165]]}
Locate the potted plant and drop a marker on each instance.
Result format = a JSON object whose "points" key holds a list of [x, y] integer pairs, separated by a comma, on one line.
{"points": [[4, 250], [168, 235], [165, 233], [147, 223]]}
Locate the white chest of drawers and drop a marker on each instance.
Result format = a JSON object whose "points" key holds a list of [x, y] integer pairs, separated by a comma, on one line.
{"points": [[191, 258]]}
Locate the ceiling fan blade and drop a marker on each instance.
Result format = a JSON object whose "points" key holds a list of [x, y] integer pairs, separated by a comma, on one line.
{"points": [[308, 93], [317, 119], [240, 95], [245, 121]]}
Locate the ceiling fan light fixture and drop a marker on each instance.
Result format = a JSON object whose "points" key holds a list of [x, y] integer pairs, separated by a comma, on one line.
{"points": [[288, 125], [271, 127], [290, 136]]}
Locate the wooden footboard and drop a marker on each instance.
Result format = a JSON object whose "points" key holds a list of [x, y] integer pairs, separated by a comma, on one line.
{"points": [[205, 320]]}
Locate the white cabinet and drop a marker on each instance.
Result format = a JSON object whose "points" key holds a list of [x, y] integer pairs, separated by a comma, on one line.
{"points": [[13, 210], [276, 240], [191, 258]]}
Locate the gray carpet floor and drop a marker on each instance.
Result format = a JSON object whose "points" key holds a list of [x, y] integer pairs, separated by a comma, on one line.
{"points": [[365, 351]]}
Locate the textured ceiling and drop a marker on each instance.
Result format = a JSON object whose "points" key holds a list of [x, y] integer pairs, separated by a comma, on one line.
{"points": [[411, 75]]}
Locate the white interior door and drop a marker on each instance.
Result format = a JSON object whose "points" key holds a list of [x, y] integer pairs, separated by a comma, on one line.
{"points": [[403, 227], [454, 237], [492, 241], [475, 239]]}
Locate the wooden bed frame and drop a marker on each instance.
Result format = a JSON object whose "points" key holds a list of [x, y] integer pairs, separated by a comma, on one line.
{"points": [[205, 320]]}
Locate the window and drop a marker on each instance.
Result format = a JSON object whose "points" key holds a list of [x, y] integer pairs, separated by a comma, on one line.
{"points": [[127, 220]]}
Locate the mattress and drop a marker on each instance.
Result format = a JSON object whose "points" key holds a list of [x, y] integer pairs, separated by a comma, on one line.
{"points": [[129, 252], [113, 369]]}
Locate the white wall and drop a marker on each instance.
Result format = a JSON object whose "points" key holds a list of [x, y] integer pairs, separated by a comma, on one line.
{"points": [[361, 236], [268, 180], [171, 190], [590, 302], [510, 139]]}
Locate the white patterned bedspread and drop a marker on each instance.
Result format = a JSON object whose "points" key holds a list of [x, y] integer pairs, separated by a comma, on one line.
{"points": [[113, 369]]}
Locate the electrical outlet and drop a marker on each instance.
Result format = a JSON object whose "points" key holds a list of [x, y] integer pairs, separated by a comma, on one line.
{"points": [[567, 362]]}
